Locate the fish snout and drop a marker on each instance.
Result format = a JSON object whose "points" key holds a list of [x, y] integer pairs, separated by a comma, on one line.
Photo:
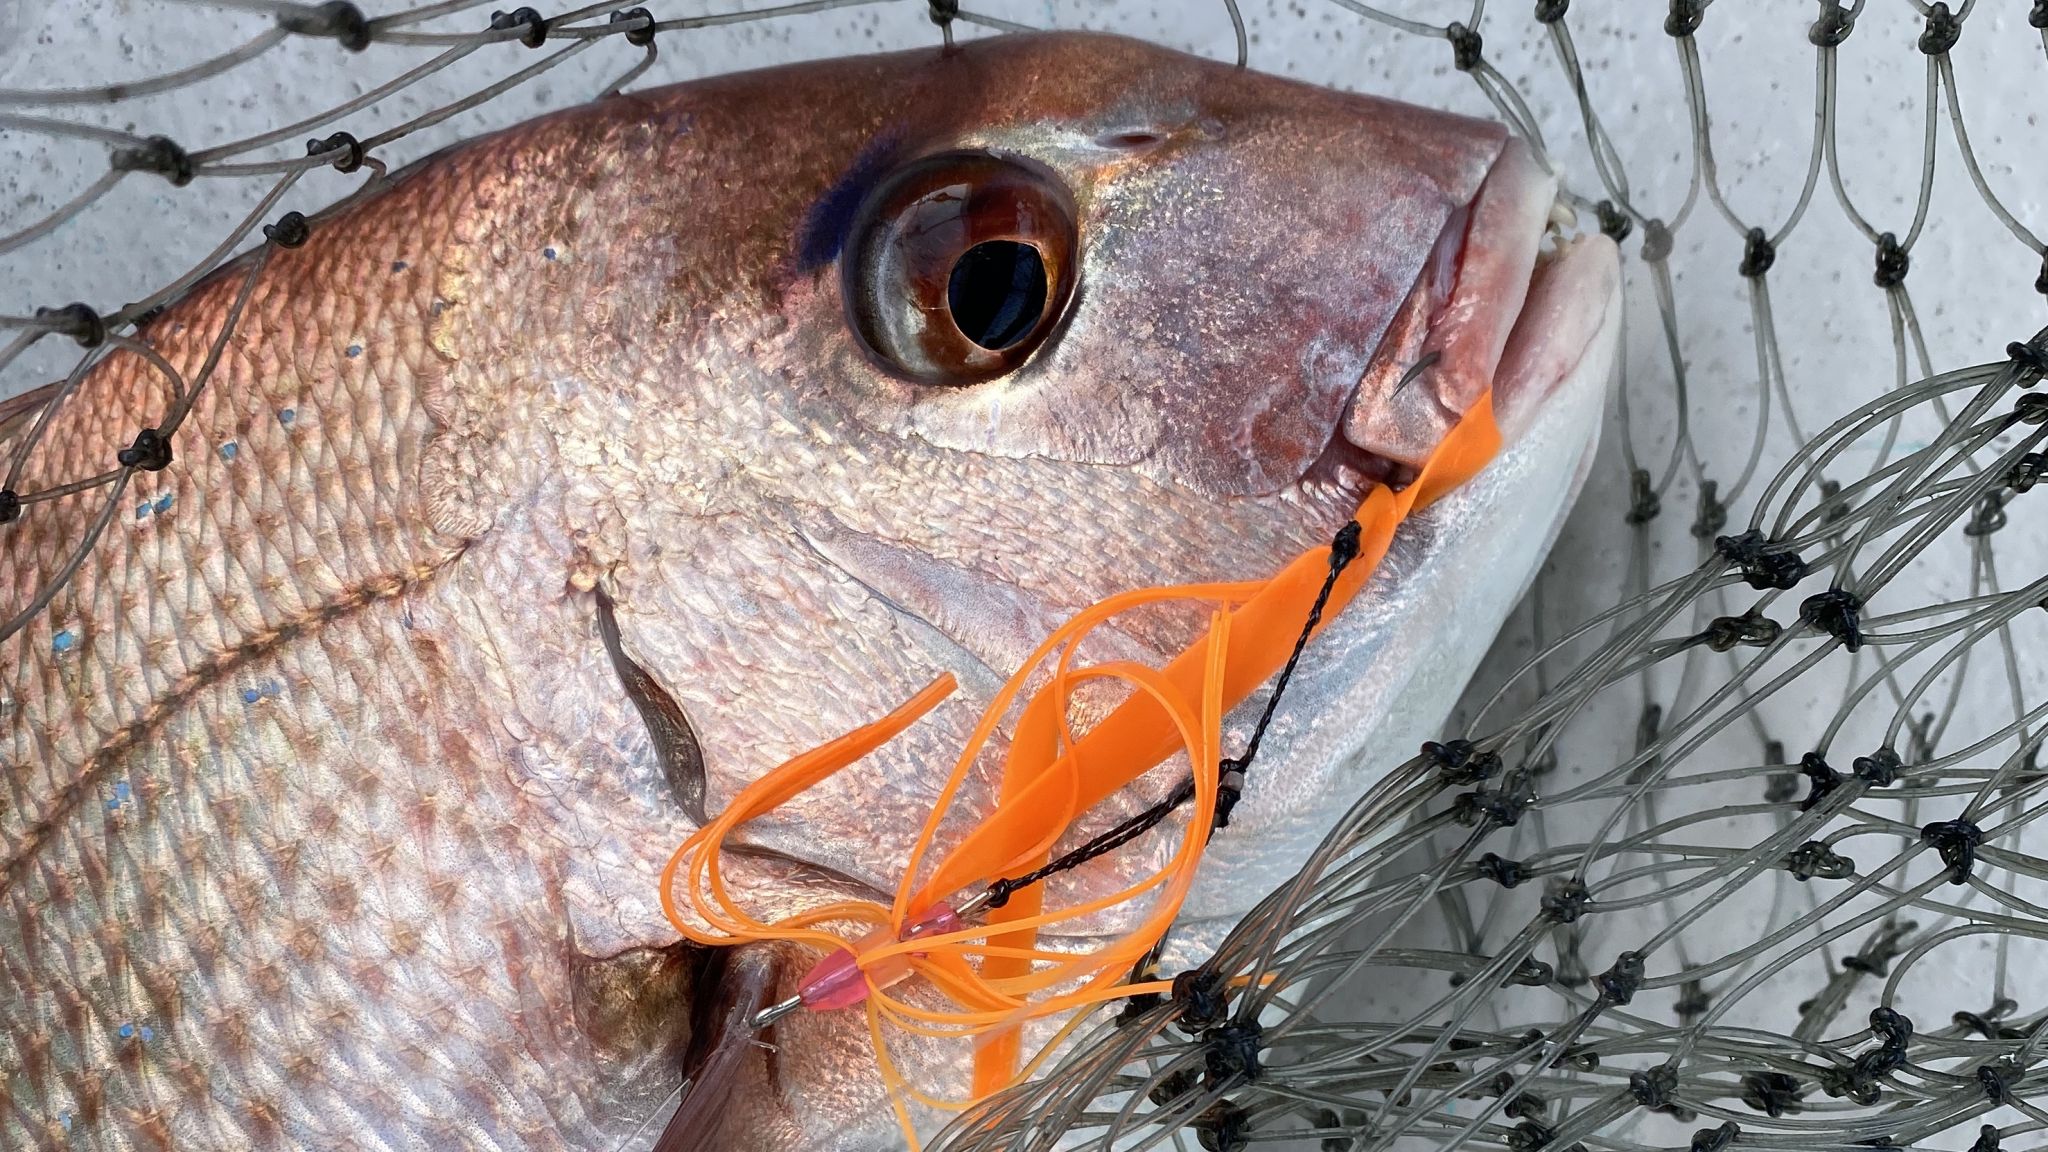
{"points": [[1487, 305]]}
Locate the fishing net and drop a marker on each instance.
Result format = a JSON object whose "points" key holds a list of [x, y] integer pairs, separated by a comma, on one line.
{"points": [[1731, 842]]}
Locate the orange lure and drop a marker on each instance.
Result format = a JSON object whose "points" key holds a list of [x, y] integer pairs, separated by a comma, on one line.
{"points": [[995, 976]]}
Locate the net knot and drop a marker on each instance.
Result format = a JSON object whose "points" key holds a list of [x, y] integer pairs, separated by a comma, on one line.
{"points": [[2031, 409], [342, 22], [346, 151], [151, 452], [1530, 1136], [1135, 1007], [1816, 859], [534, 26], [1524, 1105], [76, 320], [10, 505], [1173, 1086], [1762, 567], [1713, 514], [1823, 775], [159, 154], [1880, 769], [1714, 1139], [1203, 997], [1780, 787], [1531, 973], [1893, 1029], [1859, 1081], [1999, 1078], [1551, 11], [1231, 1051], [1461, 762], [642, 32], [1229, 790], [1657, 241], [1772, 1093], [1614, 223], [1652, 1087], [1986, 1025], [2030, 357], [1467, 47], [1684, 18], [1758, 254], [1502, 871], [1223, 1127], [1835, 612], [1892, 262], [1566, 901], [1725, 633], [2038, 18], [1621, 981], [1643, 501], [1957, 841], [1501, 806], [1942, 31], [1832, 26], [1877, 956], [1989, 515], [2026, 472], [1693, 1001], [943, 12], [290, 231], [1987, 1136]]}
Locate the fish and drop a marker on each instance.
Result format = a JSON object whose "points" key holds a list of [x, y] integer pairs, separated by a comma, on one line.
{"points": [[573, 477]]}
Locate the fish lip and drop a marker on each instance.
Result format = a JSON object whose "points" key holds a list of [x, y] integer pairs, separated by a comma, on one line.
{"points": [[1445, 344]]}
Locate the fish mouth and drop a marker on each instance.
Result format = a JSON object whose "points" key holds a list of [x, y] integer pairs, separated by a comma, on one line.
{"points": [[1506, 301]]}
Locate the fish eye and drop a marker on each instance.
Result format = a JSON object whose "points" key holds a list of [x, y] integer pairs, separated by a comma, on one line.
{"points": [[958, 266]]}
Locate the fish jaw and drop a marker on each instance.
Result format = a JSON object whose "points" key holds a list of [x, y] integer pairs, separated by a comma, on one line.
{"points": [[1384, 675]]}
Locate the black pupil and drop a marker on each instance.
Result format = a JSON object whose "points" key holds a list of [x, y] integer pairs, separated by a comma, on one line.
{"points": [[997, 292]]}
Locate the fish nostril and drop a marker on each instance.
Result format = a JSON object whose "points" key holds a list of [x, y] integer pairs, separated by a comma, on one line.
{"points": [[1134, 141]]}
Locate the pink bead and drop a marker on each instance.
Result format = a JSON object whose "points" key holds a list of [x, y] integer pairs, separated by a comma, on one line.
{"points": [[838, 982]]}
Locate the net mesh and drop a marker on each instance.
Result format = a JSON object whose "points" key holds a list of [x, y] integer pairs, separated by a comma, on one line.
{"points": [[1732, 842]]}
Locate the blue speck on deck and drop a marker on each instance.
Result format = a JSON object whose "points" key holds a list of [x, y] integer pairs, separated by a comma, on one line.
{"points": [[163, 502], [272, 688], [355, 350], [251, 695], [63, 641], [121, 790], [114, 804], [399, 265], [64, 1118], [287, 416], [126, 1030], [548, 252], [228, 450], [142, 510], [148, 1033]]}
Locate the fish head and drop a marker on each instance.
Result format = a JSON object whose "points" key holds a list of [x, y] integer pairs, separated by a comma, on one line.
{"points": [[886, 367]]}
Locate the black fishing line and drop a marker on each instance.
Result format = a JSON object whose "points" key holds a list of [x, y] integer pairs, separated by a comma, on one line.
{"points": [[1231, 770]]}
